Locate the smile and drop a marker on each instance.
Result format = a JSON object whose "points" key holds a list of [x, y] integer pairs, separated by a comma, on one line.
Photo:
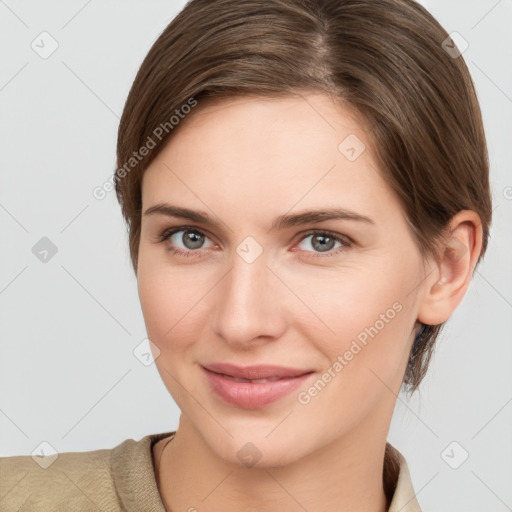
{"points": [[252, 393]]}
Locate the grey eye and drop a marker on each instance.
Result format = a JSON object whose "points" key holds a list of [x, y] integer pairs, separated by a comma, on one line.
{"points": [[321, 242], [188, 239]]}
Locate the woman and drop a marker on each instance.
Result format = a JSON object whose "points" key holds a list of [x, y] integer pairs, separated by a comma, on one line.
{"points": [[306, 189]]}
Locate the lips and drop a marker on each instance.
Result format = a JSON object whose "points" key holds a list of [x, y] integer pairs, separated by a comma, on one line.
{"points": [[252, 387], [256, 372]]}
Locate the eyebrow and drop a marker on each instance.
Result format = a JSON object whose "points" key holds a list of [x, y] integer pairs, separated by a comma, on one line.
{"points": [[281, 222]]}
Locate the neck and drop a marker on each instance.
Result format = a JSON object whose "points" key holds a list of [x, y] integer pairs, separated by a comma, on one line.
{"points": [[344, 475]]}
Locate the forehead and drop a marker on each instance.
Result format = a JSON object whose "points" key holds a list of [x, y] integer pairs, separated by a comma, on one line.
{"points": [[321, 111], [268, 154]]}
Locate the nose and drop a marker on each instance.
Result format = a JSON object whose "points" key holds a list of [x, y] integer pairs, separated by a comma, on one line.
{"points": [[249, 306]]}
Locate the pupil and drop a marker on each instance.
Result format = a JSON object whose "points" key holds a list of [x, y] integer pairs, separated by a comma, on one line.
{"points": [[324, 246], [192, 240]]}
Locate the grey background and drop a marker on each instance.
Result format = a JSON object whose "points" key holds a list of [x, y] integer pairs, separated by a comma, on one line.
{"points": [[68, 327]]}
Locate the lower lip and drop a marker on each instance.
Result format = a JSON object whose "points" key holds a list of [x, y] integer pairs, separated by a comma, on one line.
{"points": [[252, 395]]}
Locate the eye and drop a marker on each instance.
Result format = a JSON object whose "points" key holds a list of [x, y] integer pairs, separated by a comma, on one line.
{"points": [[185, 240], [188, 241], [324, 242]]}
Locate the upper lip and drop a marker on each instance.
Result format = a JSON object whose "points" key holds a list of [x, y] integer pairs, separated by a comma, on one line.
{"points": [[255, 372]]}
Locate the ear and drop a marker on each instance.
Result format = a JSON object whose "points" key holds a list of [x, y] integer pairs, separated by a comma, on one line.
{"points": [[448, 278]]}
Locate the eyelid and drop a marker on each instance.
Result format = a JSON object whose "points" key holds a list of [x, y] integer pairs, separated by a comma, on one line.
{"points": [[345, 240], [167, 233], [319, 231]]}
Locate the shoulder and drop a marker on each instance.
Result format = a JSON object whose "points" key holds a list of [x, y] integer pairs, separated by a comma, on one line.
{"points": [[79, 480], [73, 480], [398, 483]]}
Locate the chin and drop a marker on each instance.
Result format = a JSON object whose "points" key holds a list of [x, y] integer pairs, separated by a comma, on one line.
{"points": [[256, 449]]}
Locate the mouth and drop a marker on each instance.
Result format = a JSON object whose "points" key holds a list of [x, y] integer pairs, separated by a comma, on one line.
{"points": [[257, 381], [253, 387], [256, 372]]}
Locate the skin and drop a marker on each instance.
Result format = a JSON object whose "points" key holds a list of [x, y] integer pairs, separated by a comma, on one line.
{"points": [[246, 161]]}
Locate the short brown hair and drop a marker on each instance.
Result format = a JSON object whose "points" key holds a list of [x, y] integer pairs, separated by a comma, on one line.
{"points": [[386, 58]]}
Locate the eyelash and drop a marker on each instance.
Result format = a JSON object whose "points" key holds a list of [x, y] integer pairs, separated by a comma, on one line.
{"points": [[343, 239]]}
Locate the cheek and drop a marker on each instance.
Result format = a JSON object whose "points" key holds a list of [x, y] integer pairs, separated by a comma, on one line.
{"points": [[365, 359], [168, 317], [173, 302], [156, 303], [162, 299], [367, 315]]}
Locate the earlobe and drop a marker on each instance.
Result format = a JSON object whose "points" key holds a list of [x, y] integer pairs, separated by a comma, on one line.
{"points": [[448, 282]]}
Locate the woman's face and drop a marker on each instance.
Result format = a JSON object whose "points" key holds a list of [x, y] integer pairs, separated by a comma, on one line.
{"points": [[309, 264]]}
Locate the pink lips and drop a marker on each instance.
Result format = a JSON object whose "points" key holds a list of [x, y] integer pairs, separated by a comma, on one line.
{"points": [[240, 386]]}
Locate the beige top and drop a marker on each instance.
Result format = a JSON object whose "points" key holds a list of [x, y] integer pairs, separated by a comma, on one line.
{"points": [[122, 479]]}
